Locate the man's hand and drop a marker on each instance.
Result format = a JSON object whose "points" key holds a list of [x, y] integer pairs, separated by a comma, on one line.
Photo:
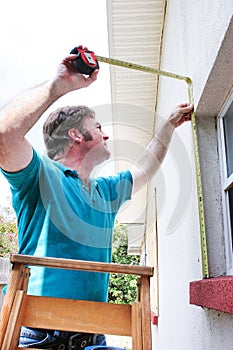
{"points": [[180, 114], [68, 76]]}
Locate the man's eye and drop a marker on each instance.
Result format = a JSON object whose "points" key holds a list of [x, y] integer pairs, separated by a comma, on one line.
{"points": [[99, 127]]}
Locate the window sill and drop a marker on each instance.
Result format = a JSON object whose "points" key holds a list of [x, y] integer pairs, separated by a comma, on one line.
{"points": [[213, 293]]}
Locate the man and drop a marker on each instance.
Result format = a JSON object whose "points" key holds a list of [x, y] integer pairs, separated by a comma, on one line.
{"points": [[61, 211]]}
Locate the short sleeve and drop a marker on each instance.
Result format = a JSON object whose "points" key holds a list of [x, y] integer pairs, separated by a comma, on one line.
{"points": [[26, 176], [116, 189]]}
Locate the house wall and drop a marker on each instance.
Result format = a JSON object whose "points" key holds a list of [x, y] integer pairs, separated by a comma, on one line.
{"points": [[193, 40]]}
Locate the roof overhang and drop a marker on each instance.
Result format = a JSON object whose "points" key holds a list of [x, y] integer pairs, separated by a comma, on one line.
{"points": [[135, 31]]}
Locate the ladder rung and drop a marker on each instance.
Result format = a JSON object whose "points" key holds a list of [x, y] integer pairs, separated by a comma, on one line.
{"points": [[82, 265]]}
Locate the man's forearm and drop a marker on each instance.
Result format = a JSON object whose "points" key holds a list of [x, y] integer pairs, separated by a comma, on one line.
{"points": [[19, 116], [154, 154], [156, 150], [152, 157]]}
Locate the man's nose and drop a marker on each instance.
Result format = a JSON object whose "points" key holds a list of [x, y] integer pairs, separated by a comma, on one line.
{"points": [[105, 137]]}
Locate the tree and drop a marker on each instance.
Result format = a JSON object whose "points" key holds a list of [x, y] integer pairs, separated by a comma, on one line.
{"points": [[122, 288], [8, 232]]}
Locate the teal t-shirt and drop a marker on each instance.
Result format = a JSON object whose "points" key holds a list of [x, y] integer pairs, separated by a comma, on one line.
{"points": [[58, 217]]}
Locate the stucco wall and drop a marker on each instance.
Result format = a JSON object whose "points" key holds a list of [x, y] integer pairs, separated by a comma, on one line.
{"points": [[193, 35]]}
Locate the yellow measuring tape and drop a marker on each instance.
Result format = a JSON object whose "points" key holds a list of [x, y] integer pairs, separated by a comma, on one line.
{"points": [[129, 65]]}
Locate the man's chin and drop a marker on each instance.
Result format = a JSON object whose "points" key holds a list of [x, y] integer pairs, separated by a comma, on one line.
{"points": [[105, 157]]}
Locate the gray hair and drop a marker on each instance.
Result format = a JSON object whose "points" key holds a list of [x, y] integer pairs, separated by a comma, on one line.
{"points": [[58, 124]]}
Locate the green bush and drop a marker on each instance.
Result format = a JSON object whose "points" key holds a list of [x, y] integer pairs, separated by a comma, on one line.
{"points": [[122, 288], [8, 233]]}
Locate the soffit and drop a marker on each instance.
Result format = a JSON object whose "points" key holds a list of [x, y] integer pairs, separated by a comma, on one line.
{"points": [[135, 33]]}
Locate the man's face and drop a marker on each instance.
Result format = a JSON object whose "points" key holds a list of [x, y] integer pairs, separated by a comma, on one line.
{"points": [[95, 141]]}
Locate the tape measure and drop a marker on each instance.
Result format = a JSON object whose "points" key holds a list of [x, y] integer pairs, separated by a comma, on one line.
{"points": [[85, 62], [129, 65], [205, 267]]}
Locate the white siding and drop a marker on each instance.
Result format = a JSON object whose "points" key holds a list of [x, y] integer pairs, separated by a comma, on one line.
{"points": [[193, 37]]}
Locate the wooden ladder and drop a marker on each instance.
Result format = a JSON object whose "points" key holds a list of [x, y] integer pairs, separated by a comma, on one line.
{"points": [[20, 309]]}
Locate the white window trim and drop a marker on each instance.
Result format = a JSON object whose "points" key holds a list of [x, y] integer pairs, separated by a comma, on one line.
{"points": [[225, 184]]}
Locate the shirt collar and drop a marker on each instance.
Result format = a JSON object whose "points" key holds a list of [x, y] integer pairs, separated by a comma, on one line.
{"points": [[69, 172], [74, 175]]}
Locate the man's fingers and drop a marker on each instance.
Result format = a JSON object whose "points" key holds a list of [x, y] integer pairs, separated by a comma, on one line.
{"points": [[185, 105], [188, 107], [93, 76]]}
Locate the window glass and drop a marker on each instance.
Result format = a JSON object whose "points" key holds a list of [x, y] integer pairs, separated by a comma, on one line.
{"points": [[225, 138], [230, 193], [228, 130]]}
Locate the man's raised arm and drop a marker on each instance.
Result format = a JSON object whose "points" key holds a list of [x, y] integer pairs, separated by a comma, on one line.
{"points": [[19, 116], [151, 158]]}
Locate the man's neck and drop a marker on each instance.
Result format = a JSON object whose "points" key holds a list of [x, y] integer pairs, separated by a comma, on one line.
{"points": [[83, 168]]}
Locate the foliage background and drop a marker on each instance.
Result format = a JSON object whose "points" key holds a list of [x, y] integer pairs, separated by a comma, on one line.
{"points": [[8, 232], [122, 288]]}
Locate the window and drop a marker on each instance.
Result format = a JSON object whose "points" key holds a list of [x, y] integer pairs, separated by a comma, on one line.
{"points": [[225, 137]]}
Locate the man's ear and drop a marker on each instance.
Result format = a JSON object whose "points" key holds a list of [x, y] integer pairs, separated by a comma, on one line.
{"points": [[75, 135]]}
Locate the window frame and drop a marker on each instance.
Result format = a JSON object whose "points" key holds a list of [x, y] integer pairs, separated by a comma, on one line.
{"points": [[226, 184]]}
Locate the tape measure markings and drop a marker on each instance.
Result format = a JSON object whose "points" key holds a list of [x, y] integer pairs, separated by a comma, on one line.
{"points": [[139, 67], [129, 65], [205, 268]]}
